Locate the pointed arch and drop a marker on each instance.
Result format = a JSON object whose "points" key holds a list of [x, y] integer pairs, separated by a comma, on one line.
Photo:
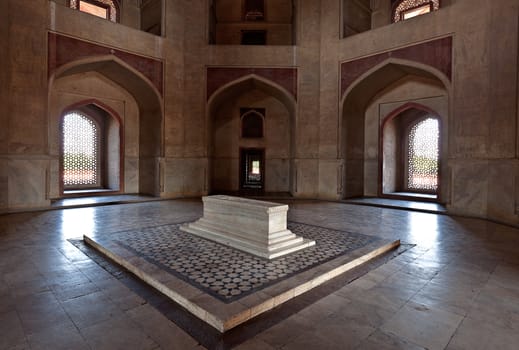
{"points": [[252, 81], [149, 102], [110, 144], [353, 106], [395, 133], [232, 91]]}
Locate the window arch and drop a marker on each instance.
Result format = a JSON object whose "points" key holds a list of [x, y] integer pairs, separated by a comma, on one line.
{"points": [[252, 122], [91, 142], [81, 145], [422, 156], [405, 9], [108, 9]]}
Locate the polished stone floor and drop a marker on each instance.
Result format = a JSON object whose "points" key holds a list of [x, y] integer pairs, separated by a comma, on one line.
{"points": [[227, 273], [458, 288]]}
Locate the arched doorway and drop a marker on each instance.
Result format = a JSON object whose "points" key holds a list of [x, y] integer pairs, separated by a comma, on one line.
{"points": [[116, 87], [410, 153], [393, 85], [250, 140], [90, 149]]}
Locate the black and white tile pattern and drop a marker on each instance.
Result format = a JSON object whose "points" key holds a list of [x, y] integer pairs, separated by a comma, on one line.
{"points": [[227, 273]]}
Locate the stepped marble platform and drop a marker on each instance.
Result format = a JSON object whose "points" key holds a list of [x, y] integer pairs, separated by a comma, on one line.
{"points": [[254, 226], [226, 287]]}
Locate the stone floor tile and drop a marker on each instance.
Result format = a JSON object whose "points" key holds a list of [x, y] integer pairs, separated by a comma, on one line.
{"points": [[312, 340], [507, 276], [41, 312], [478, 335], [56, 338], [67, 292], [428, 327], [324, 308], [90, 309], [285, 331], [457, 300], [160, 329], [30, 288], [386, 297], [12, 334], [25, 274], [254, 344], [363, 313], [63, 278], [408, 284], [464, 278], [498, 305], [384, 341], [120, 295], [7, 302], [95, 273], [342, 333], [117, 334], [422, 269]]}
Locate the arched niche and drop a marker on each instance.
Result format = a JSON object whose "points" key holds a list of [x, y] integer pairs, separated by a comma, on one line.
{"points": [[137, 102], [110, 143], [368, 101], [394, 155], [226, 144]]}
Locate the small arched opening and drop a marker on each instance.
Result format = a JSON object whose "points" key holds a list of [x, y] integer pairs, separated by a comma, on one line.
{"points": [[250, 140], [90, 150], [410, 153]]}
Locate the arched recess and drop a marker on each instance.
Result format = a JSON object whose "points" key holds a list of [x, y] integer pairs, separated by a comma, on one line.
{"points": [[110, 144], [224, 139], [355, 129], [394, 161], [150, 112]]}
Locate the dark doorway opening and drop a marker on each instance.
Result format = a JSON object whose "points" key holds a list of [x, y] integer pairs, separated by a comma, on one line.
{"points": [[253, 37], [252, 170]]}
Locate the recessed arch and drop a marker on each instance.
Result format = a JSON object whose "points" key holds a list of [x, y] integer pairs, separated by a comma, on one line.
{"points": [[150, 110], [111, 143], [396, 132], [232, 91], [354, 104], [252, 123], [252, 81]]}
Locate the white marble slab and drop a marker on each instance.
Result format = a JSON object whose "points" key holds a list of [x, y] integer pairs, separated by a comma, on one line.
{"points": [[256, 227]]}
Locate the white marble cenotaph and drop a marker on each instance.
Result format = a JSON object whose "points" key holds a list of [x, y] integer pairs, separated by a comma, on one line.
{"points": [[254, 226]]}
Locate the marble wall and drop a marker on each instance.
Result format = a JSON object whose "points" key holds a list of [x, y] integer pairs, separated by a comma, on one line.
{"points": [[474, 73]]}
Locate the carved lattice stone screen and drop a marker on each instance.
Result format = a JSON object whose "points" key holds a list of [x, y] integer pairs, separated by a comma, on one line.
{"points": [[411, 8], [93, 7], [80, 151], [422, 157]]}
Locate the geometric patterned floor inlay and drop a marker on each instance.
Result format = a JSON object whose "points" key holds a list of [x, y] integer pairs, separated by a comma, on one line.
{"points": [[230, 274], [226, 287]]}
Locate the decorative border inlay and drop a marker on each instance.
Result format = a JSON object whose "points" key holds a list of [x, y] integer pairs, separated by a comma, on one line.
{"points": [[435, 53], [63, 49], [227, 273], [220, 76]]}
